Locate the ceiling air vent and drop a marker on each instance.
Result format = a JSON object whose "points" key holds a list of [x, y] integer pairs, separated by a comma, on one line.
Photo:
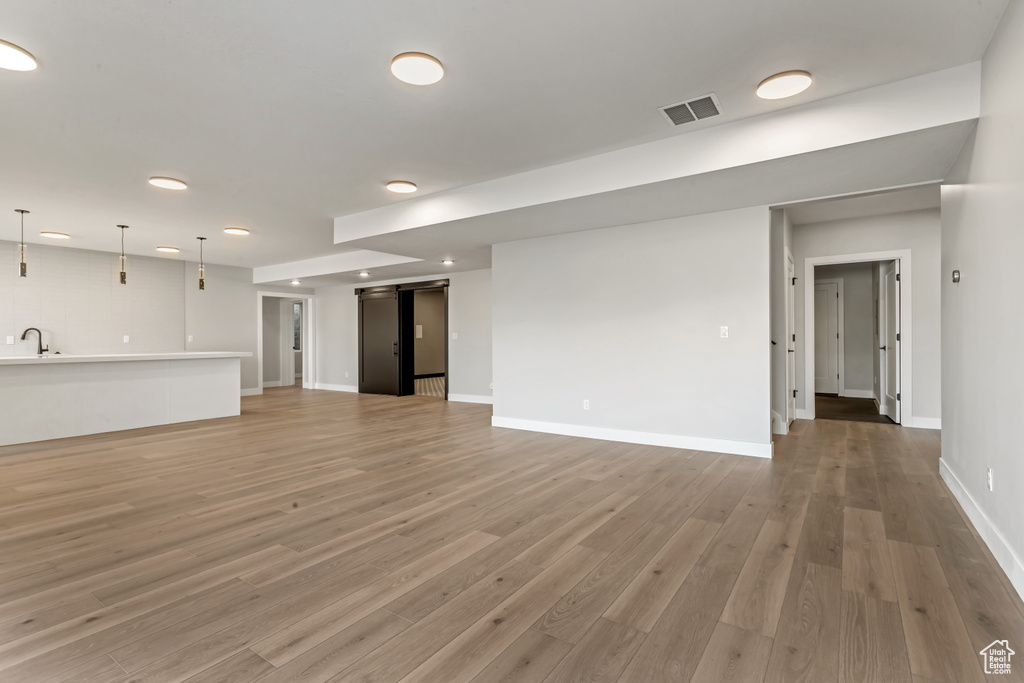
{"points": [[692, 110]]}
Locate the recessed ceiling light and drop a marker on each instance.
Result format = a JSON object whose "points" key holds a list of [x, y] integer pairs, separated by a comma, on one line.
{"points": [[168, 183], [236, 231], [401, 186], [14, 58], [364, 274], [296, 282], [417, 68], [448, 261], [55, 235], [168, 250], [785, 84]]}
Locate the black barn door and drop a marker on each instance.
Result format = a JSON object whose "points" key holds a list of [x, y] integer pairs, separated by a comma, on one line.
{"points": [[379, 342]]}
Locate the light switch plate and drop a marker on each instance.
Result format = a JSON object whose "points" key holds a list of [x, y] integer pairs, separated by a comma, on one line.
{"points": [[724, 332], [190, 337], [126, 339], [455, 335], [10, 339], [419, 331]]}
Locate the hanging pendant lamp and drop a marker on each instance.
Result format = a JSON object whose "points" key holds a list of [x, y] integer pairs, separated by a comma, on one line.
{"points": [[123, 259], [23, 271], [202, 268]]}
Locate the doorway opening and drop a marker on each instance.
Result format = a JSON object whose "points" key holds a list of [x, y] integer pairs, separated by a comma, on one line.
{"points": [[857, 340], [286, 345], [403, 339]]}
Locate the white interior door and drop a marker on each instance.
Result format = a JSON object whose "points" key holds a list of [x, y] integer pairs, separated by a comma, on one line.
{"points": [[790, 341], [826, 338], [889, 295]]}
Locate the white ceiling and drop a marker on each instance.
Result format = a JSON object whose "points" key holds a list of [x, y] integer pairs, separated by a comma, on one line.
{"points": [[283, 116]]}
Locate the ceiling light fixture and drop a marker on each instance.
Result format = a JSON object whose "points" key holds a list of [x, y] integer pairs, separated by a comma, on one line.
{"points": [[782, 85], [417, 68], [236, 231], [364, 274], [23, 267], [448, 261], [168, 183], [202, 268], [296, 282], [55, 235], [123, 260], [401, 186], [14, 58], [168, 250]]}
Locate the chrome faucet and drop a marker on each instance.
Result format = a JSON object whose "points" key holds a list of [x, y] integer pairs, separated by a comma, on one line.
{"points": [[39, 335]]}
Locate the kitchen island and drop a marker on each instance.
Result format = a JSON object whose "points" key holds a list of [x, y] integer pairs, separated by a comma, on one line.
{"points": [[56, 396]]}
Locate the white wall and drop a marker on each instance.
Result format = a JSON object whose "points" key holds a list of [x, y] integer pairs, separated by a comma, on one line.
{"points": [[982, 316], [918, 231], [469, 316], [74, 296], [271, 341], [858, 323], [629, 319]]}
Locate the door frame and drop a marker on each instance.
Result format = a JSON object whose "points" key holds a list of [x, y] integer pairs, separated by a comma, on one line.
{"points": [[841, 329], [790, 297], [308, 336], [906, 320]]}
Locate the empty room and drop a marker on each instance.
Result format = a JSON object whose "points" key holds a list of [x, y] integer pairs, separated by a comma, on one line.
{"points": [[522, 342]]}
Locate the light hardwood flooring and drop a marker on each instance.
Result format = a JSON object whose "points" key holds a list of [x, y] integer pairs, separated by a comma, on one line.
{"points": [[335, 537]]}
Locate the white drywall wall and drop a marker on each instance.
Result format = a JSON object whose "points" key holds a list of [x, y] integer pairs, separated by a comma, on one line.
{"points": [[918, 231], [982, 316], [469, 316], [629, 318]]}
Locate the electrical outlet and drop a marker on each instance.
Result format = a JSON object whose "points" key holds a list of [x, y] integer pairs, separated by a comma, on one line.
{"points": [[10, 339], [455, 335], [724, 332], [491, 385], [346, 375], [126, 339], [989, 478], [586, 404]]}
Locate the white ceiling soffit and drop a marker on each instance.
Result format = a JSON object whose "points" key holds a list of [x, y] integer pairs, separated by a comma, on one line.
{"points": [[859, 206], [326, 265], [908, 159], [919, 103]]}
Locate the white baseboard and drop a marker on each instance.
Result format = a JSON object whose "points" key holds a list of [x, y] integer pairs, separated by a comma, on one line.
{"points": [[779, 425], [859, 393], [697, 443], [804, 414], [351, 388], [988, 531], [271, 385], [251, 392], [925, 423], [470, 398]]}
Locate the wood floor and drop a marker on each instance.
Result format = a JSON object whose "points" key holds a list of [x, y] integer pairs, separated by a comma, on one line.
{"points": [[831, 407], [335, 537]]}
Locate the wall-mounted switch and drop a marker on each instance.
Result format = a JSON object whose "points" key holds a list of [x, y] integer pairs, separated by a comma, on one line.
{"points": [[724, 331], [419, 331], [126, 339], [455, 335], [586, 404], [190, 338], [10, 339], [346, 375], [989, 478]]}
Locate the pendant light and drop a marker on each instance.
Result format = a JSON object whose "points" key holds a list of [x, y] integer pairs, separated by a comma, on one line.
{"points": [[21, 248], [202, 268], [123, 260]]}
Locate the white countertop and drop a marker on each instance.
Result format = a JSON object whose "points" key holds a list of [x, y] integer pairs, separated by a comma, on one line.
{"points": [[118, 357]]}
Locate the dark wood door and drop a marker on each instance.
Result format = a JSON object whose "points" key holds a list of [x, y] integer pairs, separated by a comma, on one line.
{"points": [[378, 344]]}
